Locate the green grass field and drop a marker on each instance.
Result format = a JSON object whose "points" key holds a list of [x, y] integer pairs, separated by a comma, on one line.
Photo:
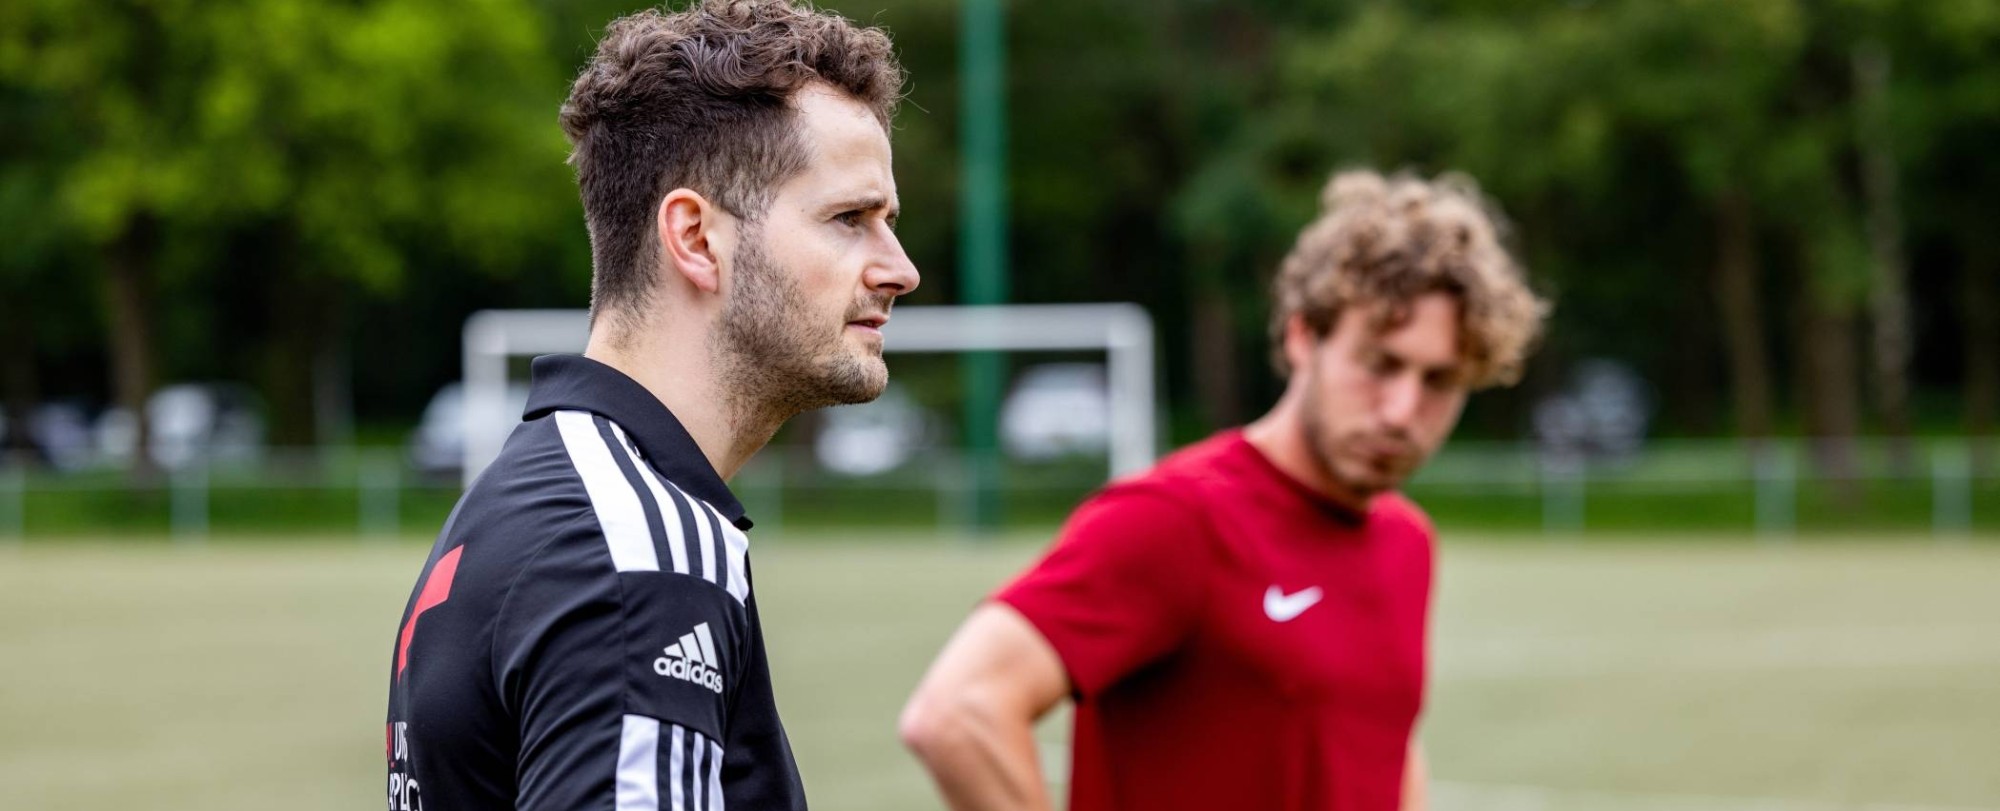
{"points": [[1693, 675]]}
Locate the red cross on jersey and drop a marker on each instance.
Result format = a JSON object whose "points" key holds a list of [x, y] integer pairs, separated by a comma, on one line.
{"points": [[1235, 640]]}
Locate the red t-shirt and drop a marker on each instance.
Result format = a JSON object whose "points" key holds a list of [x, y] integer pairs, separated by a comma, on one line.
{"points": [[1235, 640]]}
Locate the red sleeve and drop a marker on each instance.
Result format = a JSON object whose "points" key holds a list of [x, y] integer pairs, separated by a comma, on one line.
{"points": [[1120, 588]]}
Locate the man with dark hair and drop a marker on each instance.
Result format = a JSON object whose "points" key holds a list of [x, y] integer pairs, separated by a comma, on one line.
{"points": [[584, 633], [1243, 626]]}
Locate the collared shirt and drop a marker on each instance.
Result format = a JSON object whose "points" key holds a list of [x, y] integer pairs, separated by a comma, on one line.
{"points": [[583, 634]]}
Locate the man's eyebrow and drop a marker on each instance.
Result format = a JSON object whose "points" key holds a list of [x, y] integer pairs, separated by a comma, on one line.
{"points": [[866, 202], [870, 202], [1453, 367]]}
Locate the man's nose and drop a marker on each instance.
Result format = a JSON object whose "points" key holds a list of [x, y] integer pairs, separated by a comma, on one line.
{"points": [[893, 272], [1401, 398]]}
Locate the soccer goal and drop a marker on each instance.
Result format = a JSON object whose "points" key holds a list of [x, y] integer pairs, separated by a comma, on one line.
{"points": [[1124, 332]]}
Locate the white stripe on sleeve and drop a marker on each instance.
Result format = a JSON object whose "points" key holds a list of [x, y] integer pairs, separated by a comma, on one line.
{"points": [[699, 747], [715, 777], [611, 496], [708, 560], [639, 764], [737, 546], [676, 769], [669, 515]]}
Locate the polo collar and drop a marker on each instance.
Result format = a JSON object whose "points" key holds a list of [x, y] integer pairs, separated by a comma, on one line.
{"points": [[574, 382]]}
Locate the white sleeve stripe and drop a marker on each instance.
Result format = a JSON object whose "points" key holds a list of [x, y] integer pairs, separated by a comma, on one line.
{"points": [[693, 531], [675, 771], [619, 512], [706, 536], [697, 747], [715, 778], [738, 549], [639, 764], [708, 561], [669, 516]]}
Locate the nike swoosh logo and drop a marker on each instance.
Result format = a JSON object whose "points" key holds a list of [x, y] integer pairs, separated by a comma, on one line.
{"points": [[1282, 607]]}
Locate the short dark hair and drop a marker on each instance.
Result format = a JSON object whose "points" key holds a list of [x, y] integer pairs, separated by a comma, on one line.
{"points": [[699, 99]]}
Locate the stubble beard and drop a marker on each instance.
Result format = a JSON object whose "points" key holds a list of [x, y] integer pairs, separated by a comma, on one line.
{"points": [[1325, 445], [775, 355]]}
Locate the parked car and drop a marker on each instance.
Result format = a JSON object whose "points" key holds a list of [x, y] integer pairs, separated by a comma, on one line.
{"points": [[1602, 415], [871, 438], [1056, 410], [190, 423], [437, 447], [60, 433]]}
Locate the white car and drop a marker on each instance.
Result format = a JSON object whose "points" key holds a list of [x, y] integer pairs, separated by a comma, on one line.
{"points": [[871, 438], [437, 447], [1057, 410], [190, 422]]}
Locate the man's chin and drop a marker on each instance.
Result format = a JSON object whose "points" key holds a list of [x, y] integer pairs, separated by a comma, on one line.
{"points": [[1369, 483], [863, 380], [868, 393]]}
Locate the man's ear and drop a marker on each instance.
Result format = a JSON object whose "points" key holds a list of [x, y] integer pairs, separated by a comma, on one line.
{"points": [[694, 234], [1300, 341]]}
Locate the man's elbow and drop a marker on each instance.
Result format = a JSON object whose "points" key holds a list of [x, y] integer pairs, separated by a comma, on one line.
{"points": [[935, 722], [922, 725]]}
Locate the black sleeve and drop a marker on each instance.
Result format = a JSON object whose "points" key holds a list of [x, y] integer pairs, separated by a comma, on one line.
{"points": [[621, 681]]}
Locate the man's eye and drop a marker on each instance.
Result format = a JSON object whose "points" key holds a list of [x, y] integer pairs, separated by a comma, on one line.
{"points": [[851, 219]]}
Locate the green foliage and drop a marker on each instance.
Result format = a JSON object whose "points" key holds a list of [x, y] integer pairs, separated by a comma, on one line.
{"points": [[397, 163], [340, 123]]}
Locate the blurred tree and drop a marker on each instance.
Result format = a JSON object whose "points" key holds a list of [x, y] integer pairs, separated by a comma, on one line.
{"points": [[1567, 114], [1725, 194], [293, 144], [1779, 122], [29, 260], [1945, 121]]}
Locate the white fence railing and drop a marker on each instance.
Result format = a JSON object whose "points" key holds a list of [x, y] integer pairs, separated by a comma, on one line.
{"points": [[1941, 486]]}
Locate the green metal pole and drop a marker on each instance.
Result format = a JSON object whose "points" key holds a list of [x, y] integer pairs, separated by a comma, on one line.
{"points": [[983, 237]]}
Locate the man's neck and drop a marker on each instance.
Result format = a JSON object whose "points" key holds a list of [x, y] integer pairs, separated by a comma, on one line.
{"points": [[678, 372], [1281, 436]]}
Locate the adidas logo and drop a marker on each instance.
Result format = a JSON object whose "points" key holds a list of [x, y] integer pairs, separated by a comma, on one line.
{"points": [[692, 659]]}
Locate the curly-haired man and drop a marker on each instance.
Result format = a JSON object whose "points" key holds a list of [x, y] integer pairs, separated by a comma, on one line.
{"points": [[1244, 625], [584, 633]]}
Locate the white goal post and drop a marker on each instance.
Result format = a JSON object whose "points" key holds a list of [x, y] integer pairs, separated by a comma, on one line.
{"points": [[1123, 331]]}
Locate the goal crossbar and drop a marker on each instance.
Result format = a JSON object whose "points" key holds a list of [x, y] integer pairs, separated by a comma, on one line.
{"points": [[1122, 331]]}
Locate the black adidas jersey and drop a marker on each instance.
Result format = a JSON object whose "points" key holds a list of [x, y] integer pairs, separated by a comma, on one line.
{"points": [[584, 635]]}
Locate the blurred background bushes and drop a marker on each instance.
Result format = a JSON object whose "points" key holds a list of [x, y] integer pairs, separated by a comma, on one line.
{"points": [[1778, 212]]}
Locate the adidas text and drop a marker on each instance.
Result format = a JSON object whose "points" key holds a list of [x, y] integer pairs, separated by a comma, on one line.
{"points": [[688, 671], [692, 659]]}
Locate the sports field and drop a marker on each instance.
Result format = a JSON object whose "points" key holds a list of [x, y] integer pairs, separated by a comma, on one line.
{"points": [[1672, 675]]}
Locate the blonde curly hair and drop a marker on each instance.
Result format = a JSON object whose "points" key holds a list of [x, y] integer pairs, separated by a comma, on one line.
{"points": [[1392, 239]]}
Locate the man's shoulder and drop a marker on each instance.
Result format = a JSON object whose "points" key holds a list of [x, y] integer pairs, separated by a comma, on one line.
{"points": [[570, 491], [1188, 477], [530, 492], [1168, 504]]}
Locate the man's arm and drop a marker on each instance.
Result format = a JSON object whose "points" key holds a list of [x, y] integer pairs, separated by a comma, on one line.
{"points": [[971, 720], [1416, 780]]}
